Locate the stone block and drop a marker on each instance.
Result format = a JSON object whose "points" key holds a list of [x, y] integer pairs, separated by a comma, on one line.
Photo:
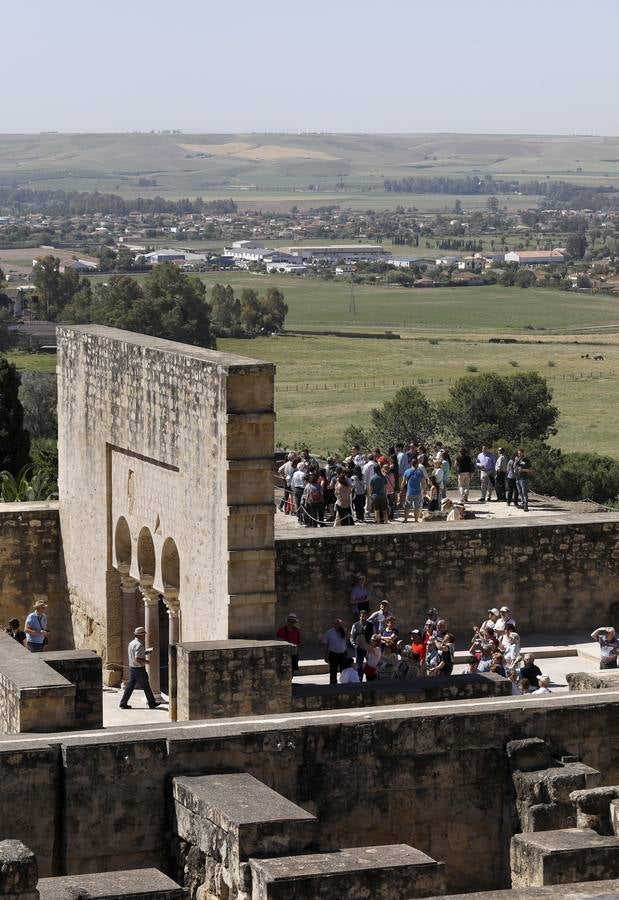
{"points": [[233, 678], [614, 817], [18, 872], [593, 808], [563, 856], [528, 755], [137, 884], [84, 669], [379, 873], [250, 390], [595, 890], [229, 818], [605, 679]]}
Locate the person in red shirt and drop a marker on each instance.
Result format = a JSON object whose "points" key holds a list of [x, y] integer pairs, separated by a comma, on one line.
{"points": [[418, 645], [290, 632]]}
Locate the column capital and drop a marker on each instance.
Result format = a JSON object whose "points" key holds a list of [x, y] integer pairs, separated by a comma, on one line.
{"points": [[149, 594], [170, 598]]}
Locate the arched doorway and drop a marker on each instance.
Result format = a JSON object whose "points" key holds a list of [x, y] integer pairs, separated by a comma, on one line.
{"points": [[171, 577]]}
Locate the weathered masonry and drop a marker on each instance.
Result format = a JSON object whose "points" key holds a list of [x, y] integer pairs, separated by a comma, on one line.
{"points": [[552, 569], [166, 502]]}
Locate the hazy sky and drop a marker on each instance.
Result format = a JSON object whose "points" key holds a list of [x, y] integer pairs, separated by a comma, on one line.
{"points": [[536, 66]]}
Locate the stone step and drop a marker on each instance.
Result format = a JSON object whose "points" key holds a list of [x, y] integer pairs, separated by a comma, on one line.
{"points": [[132, 884], [231, 817], [563, 856], [394, 870]]}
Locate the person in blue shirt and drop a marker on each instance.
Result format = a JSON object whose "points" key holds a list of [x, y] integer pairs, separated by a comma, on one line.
{"points": [[36, 627], [413, 488]]}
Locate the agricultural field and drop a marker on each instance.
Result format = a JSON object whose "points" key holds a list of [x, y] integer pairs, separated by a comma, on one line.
{"points": [[278, 171]]}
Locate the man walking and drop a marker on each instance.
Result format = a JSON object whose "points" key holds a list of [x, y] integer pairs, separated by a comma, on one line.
{"points": [[36, 627], [138, 676], [486, 462], [413, 485], [360, 636], [336, 640]]}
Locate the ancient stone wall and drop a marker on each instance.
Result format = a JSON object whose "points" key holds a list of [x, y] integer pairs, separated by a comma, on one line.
{"points": [[554, 573], [165, 453], [430, 777], [32, 565]]}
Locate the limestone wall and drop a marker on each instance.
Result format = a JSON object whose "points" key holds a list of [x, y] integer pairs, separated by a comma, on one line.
{"points": [[554, 573], [143, 440], [31, 565], [430, 777]]}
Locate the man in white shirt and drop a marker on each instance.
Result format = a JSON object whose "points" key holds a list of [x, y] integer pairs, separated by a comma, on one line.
{"points": [[503, 620], [138, 676], [357, 456], [368, 473]]}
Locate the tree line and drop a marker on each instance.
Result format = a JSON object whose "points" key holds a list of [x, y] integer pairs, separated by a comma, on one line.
{"points": [[167, 303], [58, 202]]}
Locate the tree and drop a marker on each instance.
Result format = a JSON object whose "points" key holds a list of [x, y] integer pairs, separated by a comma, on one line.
{"points": [[14, 439], [173, 306], [39, 398], [251, 313], [406, 416], [525, 278], [576, 245], [492, 205], [274, 311], [225, 310], [55, 289], [482, 409]]}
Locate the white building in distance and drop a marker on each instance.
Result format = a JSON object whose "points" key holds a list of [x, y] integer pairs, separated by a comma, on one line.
{"points": [[535, 257]]}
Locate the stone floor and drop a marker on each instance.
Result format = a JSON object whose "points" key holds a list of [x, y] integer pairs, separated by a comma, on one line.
{"points": [[493, 511]]}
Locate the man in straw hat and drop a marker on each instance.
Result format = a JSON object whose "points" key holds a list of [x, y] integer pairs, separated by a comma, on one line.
{"points": [[36, 626], [138, 676]]}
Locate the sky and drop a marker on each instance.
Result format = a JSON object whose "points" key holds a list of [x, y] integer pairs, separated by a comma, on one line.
{"points": [[477, 66]]}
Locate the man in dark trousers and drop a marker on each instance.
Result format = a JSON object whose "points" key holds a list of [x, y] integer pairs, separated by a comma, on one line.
{"points": [[138, 676]]}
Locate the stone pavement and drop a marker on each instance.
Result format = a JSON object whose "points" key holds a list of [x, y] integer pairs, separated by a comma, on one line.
{"points": [[495, 510]]}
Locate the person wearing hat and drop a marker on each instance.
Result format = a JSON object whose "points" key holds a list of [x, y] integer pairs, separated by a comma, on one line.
{"points": [[138, 676], [418, 646], [543, 688], [503, 620], [36, 627], [290, 632]]}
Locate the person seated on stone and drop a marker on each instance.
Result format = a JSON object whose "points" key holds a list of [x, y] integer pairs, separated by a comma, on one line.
{"points": [[511, 654], [16, 632], [498, 661], [524, 686], [441, 629], [530, 671], [497, 670], [544, 681], [391, 630], [372, 658], [493, 615], [513, 677], [432, 495], [472, 664], [291, 633], [409, 666], [609, 646], [389, 661], [455, 511], [486, 658], [348, 674]]}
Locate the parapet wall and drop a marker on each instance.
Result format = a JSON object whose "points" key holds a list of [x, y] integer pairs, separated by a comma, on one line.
{"points": [[554, 573], [31, 565]]}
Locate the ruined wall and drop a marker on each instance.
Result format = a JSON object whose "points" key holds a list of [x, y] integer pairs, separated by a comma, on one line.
{"points": [[430, 777], [32, 565], [554, 573], [152, 433]]}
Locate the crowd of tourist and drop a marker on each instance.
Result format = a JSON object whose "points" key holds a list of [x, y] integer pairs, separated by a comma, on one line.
{"points": [[374, 647], [373, 486]]}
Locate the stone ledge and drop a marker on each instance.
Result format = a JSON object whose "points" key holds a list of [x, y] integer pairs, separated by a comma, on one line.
{"points": [[138, 884]]}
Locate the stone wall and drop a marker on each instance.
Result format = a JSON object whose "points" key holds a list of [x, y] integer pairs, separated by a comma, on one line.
{"points": [[428, 776], [554, 573], [32, 565], [233, 678], [163, 445]]}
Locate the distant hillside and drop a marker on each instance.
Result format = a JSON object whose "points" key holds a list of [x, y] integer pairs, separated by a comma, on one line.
{"points": [[206, 164]]}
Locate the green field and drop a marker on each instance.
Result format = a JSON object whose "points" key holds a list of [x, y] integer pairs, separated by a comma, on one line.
{"points": [[315, 303]]}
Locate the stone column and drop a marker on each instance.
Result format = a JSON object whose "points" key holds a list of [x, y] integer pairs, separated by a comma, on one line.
{"points": [[172, 603], [151, 623], [129, 615]]}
